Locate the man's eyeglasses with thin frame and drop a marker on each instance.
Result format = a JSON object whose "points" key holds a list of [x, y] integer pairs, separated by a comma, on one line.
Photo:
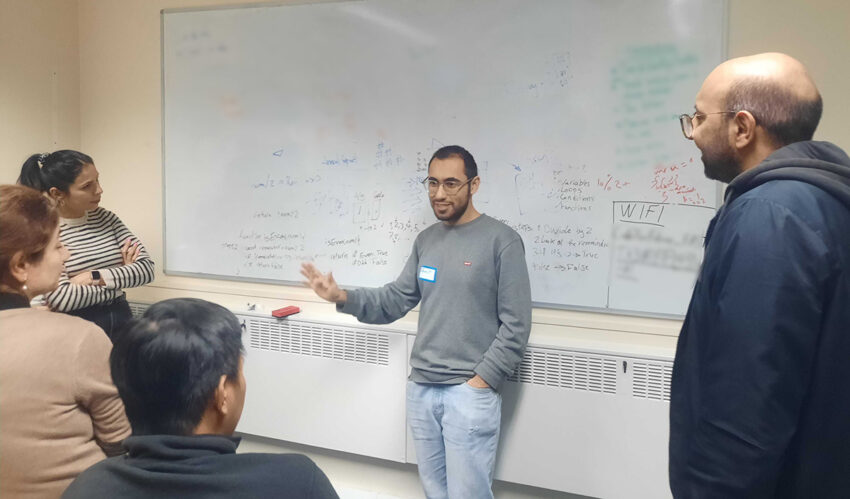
{"points": [[451, 186], [687, 121]]}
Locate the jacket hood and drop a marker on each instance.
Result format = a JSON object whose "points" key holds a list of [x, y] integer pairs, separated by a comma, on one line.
{"points": [[821, 164]]}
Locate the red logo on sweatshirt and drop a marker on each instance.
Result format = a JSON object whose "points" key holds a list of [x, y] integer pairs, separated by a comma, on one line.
{"points": [[468, 264]]}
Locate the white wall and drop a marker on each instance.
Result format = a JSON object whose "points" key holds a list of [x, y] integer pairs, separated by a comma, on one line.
{"points": [[106, 102]]}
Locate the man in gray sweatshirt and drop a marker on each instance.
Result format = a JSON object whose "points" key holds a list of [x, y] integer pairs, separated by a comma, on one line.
{"points": [[469, 272]]}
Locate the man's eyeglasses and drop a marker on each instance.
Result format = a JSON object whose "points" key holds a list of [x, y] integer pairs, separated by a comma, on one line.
{"points": [[687, 121], [451, 186]]}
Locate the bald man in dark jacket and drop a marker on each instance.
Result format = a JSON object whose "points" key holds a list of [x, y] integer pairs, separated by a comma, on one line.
{"points": [[760, 400]]}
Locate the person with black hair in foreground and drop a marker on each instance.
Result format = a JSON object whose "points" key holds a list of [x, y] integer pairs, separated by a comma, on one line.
{"points": [[179, 371]]}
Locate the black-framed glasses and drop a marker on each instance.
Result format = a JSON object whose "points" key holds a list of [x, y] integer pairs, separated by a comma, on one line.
{"points": [[451, 186], [687, 121]]}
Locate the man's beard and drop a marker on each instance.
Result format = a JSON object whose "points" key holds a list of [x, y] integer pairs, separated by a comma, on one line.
{"points": [[721, 163], [455, 215]]}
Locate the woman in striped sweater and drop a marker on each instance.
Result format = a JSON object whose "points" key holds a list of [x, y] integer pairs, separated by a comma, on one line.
{"points": [[105, 256]]}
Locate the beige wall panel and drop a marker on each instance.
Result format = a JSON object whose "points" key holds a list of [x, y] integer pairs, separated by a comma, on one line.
{"points": [[39, 80], [816, 32]]}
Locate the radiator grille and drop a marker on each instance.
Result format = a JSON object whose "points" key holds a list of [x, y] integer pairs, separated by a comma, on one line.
{"points": [[317, 340], [651, 380], [567, 370], [539, 366]]}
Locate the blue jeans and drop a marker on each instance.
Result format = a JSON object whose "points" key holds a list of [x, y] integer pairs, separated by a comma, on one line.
{"points": [[455, 431]]}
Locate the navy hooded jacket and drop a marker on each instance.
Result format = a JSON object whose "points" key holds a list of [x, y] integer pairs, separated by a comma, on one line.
{"points": [[760, 395]]}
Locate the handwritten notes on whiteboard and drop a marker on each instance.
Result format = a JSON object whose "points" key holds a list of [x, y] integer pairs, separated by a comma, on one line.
{"points": [[303, 132]]}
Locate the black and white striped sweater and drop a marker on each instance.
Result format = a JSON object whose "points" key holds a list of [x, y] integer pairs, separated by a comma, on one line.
{"points": [[94, 242]]}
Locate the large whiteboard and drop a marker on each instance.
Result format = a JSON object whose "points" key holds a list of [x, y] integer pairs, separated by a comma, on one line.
{"points": [[302, 132]]}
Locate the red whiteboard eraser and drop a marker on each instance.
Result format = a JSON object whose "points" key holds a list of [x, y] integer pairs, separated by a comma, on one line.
{"points": [[283, 312]]}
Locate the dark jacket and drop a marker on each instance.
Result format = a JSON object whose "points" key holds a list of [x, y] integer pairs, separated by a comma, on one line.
{"points": [[201, 466], [760, 396]]}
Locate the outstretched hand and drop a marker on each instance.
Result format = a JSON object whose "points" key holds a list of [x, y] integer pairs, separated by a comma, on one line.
{"points": [[323, 284]]}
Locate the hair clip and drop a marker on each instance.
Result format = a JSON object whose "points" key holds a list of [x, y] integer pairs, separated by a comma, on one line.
{"points": [[41, 159]]}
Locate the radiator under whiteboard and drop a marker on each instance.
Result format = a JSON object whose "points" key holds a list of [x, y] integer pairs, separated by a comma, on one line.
{"points": [[588, 423]]}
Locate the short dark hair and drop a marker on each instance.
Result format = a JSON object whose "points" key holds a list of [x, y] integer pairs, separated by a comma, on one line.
{"points": [[167, 364], [470, 168], [57, 169], [787, 117]]}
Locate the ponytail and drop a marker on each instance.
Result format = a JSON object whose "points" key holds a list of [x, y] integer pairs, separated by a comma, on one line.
{"points": [[57, 169], [31, 173]]}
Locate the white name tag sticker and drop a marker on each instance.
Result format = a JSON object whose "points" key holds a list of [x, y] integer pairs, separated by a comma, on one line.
{"points": [[428, 274]]}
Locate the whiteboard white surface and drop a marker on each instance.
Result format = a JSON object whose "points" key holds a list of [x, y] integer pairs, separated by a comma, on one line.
{"points": [[302, 132]]}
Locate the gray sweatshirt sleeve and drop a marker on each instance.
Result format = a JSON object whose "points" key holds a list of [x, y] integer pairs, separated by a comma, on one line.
{"points": [[389, 302], [514, 309]]}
